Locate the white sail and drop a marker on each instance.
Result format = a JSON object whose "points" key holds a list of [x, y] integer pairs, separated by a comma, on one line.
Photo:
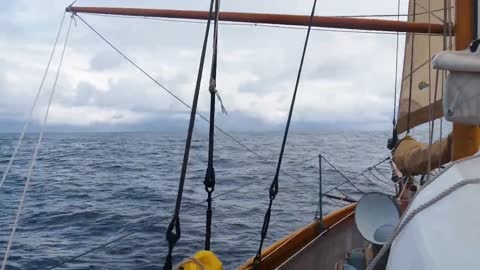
{"points": [[418, 81]]}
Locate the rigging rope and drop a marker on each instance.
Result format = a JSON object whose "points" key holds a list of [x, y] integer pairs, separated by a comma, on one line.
{"points": [[370, 170], [381, 173], [274, 186], [356, 177], [432, 120], [343, 175], [450, 44], [172, 236], [210, 174], [432, 127], [378, 181], [441, 120], [416, 68], [396, 71], [35, 153], [445, 33], [374, 183], [430, 12], [412, 36], [394, 140], [34, 104]]}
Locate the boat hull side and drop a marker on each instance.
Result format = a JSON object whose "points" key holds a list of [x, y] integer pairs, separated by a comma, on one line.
{"points": [[277, 254]]}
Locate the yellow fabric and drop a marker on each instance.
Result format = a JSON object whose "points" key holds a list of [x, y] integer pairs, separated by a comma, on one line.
{"points": [[202, 260], [411, 157]]}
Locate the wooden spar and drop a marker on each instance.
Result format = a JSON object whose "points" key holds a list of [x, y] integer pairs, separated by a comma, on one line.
{"points": [[283, 19], [465, 138]]}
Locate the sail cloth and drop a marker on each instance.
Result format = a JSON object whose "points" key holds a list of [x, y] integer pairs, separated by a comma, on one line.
{"points": [[411, 157], [416, 82]]}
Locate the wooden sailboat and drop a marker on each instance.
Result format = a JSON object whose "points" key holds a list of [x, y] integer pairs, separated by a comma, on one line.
{"points": [[324, 243]]}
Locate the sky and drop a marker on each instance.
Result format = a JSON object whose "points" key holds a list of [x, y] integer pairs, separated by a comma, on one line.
{"points": [[347, 80]]}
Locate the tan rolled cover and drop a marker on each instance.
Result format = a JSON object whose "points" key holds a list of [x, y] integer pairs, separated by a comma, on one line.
{"points": [[411, 157], [418, 83]]}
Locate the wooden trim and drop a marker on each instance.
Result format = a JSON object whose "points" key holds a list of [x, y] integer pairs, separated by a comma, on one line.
{"points": [[284, 19]]}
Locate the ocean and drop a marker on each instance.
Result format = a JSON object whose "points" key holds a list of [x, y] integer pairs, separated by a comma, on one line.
{"points": [[89, 188]]}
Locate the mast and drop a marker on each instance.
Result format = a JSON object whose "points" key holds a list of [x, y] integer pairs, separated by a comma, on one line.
{"points": [[299, 20], [465, 138]]}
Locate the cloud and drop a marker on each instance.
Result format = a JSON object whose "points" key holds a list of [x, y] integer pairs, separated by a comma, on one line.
{"points": [[347, 78], [105, 61], [90, 115]]}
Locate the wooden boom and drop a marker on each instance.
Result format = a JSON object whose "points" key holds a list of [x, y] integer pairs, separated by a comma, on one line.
{"points": [[283, 19]]}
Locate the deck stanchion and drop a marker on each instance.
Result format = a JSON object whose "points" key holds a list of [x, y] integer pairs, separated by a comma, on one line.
{"points": [[320, 212]]}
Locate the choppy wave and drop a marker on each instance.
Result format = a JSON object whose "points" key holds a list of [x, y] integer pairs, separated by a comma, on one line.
{"points": [[88, 188]]}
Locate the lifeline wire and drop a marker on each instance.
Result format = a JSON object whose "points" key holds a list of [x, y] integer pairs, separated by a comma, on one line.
{"points": [[34, 158], [347, 180], [343, 175], [35, 100]]}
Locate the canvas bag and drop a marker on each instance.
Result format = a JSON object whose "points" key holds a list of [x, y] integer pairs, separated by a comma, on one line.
{"points": [[461, 93]]}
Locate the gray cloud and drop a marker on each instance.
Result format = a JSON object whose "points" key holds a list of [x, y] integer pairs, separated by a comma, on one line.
{"points": [[331, 69], [346, 75], [85, 95], [105, 60]]}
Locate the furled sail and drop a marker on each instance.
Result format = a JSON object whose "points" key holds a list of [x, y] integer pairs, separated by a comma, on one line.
{"points": [[412, 157], [418, 82]]}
